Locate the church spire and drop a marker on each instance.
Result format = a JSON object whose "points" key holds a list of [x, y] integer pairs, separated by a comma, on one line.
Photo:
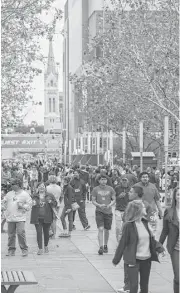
{"points": [[51, 67]]}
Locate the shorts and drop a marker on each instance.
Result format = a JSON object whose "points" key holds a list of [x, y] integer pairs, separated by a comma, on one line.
{"points": [[104, 220]]}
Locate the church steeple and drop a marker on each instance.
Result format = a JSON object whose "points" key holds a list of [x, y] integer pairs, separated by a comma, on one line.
{"points": [[51, 67]]}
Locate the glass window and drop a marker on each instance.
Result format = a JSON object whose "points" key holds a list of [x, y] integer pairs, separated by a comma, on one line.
{"points": [[50, 105], [54, 106], [51, 82]]}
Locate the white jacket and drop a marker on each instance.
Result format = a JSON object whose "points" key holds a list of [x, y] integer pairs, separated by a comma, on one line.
{"points": [[16, 206]]}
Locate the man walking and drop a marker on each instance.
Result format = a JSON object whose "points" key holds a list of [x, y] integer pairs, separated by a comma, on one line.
{"points": [[80, 191], [122, 199], [103, 197], [16, 204], [151, 196]]}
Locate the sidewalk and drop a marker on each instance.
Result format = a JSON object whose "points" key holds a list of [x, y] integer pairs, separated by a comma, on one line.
{"points": [[74, 266]]}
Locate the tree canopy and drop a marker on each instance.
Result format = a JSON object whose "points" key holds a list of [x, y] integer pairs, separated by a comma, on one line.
{"points": [[22, 28], [134, 72]]}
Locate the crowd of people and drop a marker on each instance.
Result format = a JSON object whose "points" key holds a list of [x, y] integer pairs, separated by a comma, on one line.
{"points": [[40, 187]]}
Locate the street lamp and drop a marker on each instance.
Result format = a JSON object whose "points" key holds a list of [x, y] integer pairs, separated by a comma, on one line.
{"points": [[166, 143], [141, 144]]}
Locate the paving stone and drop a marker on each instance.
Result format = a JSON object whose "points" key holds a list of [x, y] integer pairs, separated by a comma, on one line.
{"points": [[74, 266]]}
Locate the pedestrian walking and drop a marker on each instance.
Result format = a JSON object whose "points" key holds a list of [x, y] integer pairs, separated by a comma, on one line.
{"points": [[42, 215], [68, 194], [122, 199], [56, 190], [16, 204], [135, 193], [137, 246], [171, 232], [103, 197], [80, 191], [152, 196]]}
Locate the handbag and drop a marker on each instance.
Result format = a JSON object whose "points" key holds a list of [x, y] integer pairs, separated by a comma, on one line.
{"points": [[75, 206]]}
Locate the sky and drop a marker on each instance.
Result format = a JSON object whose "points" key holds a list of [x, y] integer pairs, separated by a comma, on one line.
{"points": [[36, 113]]}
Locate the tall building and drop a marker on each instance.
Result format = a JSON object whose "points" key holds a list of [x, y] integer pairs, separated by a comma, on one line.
{"points": [[81, 18], [52, 119]]}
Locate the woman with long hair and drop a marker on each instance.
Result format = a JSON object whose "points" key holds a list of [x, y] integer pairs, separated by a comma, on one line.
{"points": [[171, 232], [42, 215], [137, 246]]}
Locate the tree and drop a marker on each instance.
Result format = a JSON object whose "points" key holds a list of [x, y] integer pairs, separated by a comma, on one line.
{"points": [[22, 29], [136, 76]]}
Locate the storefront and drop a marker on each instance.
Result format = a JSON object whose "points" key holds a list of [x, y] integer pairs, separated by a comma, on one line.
{"points": [[13, 146]]}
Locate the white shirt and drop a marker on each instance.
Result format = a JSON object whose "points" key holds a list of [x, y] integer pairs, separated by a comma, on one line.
{"points": [[143, 246], [12, 201], [56, 191]]}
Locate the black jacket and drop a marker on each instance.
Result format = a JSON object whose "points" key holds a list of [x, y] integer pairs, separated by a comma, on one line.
{"points": [[128, 244], [170, 229], [80, 190], [68, 193], [48, 208], [122, 197]]}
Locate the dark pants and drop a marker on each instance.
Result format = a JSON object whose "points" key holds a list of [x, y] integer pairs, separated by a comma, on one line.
{"points": [[175, 265], [33, 186], [19, 228], [82, 214], [41, 228], [126, 278], [143, 267], [70, 219]]}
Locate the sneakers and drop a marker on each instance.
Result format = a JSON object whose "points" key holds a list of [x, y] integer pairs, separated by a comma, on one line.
{"points": [[74, 227], [24, 253], [46, 250], [40, 251], [10, 253], [122, 290], [87, 228], [105, 249], [101, 250]]}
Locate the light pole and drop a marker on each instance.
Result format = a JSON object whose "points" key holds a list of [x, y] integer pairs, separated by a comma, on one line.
{"points": [[166, 143], [124, 145], [141, 144]]}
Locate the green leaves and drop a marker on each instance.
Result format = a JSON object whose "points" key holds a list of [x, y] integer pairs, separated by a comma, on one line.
{"points": [[136, 77], [21, 29]]}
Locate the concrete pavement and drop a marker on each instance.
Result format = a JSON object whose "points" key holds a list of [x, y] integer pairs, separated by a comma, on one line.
{"points": [[74, 266]]}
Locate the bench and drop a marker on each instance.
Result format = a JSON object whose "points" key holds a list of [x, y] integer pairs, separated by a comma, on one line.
{"points": [[14, 279]]}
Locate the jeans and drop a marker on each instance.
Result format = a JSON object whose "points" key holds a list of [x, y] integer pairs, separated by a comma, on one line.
{"points": [[126, 278], [41, 228], [70, 219], [19, 228], [82, 214], [53, 225], [175, 265], [143, 267], [119, 224]]}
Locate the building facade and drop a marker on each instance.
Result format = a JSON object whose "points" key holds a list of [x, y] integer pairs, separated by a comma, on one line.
{"points": [[52, 119], [81, 18]]}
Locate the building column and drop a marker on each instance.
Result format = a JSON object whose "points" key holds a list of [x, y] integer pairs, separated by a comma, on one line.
{"points": [[81, 145], [74, 150], [98, 142], [89, 143], [70, 151]]}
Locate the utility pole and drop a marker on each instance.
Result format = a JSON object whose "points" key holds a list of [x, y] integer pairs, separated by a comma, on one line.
{"points": [[166, 144], [141, 144], [124, 145]]}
